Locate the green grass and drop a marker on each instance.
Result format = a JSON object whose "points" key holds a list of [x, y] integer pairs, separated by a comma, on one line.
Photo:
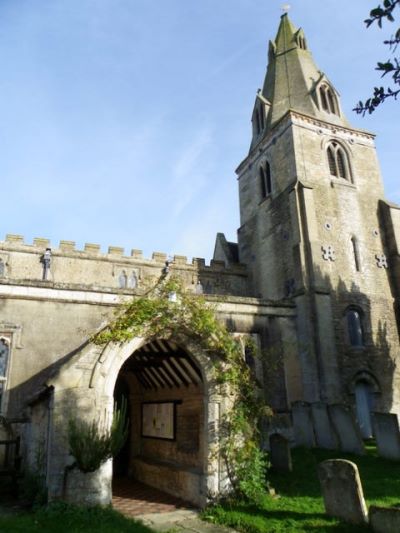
{"points": [[63, 518], [300, 507]]}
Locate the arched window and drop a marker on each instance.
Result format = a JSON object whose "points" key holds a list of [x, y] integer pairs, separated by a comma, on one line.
{"points": [[4, 356], [354, 327], [122, 280], [133, 281], [328, 100], [338, 161], [356, 252], [265, 180]]}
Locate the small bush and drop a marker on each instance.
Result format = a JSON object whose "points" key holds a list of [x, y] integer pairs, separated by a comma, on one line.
{"points": [[91, 445]]}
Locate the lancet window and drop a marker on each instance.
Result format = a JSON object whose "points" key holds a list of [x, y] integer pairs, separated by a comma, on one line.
{"points": [[259, 119], [354, 327], [356, 252], [265, 179]]}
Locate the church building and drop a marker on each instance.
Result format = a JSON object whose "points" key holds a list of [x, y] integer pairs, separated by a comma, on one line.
{"points": [[314, 279]]}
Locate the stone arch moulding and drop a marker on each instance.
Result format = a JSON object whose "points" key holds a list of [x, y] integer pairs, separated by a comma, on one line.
{"points": [[337, 145], [114, 355], [91, 392], [329, 138]]}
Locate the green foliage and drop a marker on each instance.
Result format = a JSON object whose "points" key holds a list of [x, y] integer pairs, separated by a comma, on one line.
{"points": [[391, 66], [92, 445], [158, 315], [65, 518], [299, 507]]}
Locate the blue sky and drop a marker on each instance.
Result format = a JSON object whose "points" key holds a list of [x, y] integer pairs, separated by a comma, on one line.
{"points": [[122, 121]]}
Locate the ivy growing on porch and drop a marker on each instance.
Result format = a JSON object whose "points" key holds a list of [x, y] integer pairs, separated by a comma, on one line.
{"points": [[169, 311]]}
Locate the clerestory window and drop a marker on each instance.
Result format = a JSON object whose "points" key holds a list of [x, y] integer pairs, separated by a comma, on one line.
{"points": [[338, 161]]}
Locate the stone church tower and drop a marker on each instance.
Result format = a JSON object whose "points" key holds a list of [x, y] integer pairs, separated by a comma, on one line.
{"points": [[314, 228]]}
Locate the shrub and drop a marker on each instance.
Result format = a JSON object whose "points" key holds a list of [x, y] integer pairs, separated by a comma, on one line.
{"points": [[92, 445]]}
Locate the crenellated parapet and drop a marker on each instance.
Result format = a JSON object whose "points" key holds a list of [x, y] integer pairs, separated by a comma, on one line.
{"points": [[91, 269]]}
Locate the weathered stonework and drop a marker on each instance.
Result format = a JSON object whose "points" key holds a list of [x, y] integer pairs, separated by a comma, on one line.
{"points": [[314, 279]]}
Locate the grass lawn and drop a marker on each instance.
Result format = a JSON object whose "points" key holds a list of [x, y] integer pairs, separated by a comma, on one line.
{"points": [[61, 518], [300, 507]]}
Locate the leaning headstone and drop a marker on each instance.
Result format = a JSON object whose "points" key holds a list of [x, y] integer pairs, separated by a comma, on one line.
{"points": [[342, 491], [384, 519], [346, 429], [302, 424], [387, 434], [324, 433], [279, 453]]}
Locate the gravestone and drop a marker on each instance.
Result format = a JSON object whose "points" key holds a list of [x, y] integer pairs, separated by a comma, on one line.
{"points": [[302, 424], [346, 429], [279, 453], [387, 434], [342, 491], [324, 433], [384, 519]]}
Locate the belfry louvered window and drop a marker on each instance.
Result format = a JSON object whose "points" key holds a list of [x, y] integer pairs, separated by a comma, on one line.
{"points": [[338, 161]]}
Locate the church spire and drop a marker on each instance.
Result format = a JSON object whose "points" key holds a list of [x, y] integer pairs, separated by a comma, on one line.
{"points": [[293, 81]]}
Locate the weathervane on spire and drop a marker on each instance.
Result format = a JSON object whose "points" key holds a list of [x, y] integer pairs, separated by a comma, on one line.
{"points": [[286, 8]]}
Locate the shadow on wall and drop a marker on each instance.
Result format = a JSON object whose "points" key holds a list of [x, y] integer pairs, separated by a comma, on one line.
{"points": [[365, 346]]}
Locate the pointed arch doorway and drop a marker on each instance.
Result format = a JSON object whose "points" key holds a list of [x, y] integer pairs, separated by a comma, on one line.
{"points": [[167, 445]]}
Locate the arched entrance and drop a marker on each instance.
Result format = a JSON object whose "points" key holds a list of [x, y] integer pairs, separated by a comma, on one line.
{"points": [[167, 445]]}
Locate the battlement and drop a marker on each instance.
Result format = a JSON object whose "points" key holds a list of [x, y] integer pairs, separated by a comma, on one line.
{"points": [[116, 255]]}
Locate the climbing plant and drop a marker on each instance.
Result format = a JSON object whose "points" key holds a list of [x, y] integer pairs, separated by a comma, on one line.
{"points": [[167, 311]]}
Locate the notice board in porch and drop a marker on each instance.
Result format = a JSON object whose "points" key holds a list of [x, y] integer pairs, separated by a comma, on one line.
{"points": [[158, 420]]}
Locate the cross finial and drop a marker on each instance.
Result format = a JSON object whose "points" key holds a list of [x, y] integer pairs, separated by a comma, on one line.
{"points": [[286, 8]]}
